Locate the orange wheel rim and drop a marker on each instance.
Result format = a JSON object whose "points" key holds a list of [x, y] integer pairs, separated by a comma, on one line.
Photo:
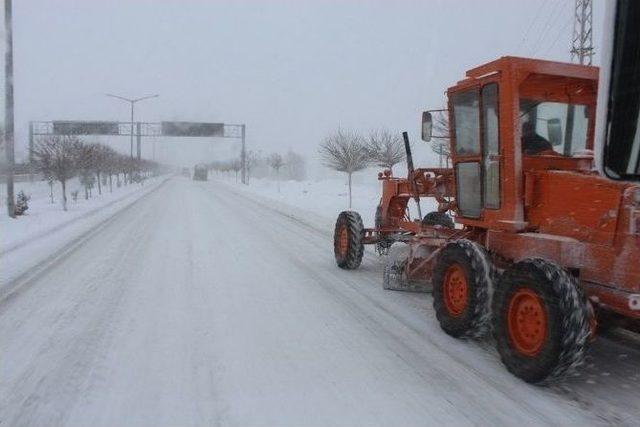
{"points": [[455, 290], [527, 322], [343, 241]]}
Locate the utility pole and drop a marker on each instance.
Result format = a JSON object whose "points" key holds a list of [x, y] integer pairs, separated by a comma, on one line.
{"points": [[8, 118], [582, 39], [582, 51]]}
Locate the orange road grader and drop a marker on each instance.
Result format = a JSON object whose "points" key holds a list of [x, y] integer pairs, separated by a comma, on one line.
{"points": [[528, 240]]}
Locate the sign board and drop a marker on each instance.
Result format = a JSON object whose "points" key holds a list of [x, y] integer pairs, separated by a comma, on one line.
{"points": [[192, 129], [85, 128]]}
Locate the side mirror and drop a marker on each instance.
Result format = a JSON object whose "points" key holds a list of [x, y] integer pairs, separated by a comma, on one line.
{"points": [[427, 126], [618, 116], [554, 131]]}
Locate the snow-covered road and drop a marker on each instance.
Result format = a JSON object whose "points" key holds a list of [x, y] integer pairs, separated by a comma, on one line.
{"points": [[198, 305]]}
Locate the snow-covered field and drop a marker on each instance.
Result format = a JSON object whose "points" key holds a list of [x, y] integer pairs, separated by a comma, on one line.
{"points": [[326, 198], [204, 303]]}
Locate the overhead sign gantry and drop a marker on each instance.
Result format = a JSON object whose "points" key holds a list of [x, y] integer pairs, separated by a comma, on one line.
{"points": [[140, 129]]}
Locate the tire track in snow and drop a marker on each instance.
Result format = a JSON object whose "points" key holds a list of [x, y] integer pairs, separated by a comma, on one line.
{"points": [[580, 390], [406, 335], [12, 289], [78, 336]]}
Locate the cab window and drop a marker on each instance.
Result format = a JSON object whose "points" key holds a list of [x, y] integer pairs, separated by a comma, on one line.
{"points": [[491, 147], [466, 109], [466, 116], [553, 127]]}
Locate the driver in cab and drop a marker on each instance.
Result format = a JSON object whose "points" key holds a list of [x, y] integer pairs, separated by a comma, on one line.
{"points": [[532, 143]]}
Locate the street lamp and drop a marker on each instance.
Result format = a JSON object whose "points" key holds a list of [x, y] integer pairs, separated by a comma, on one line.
{"points": [[8, 108], [132, 102]]}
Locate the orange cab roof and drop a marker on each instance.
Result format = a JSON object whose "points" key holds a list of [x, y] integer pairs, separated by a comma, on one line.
{"points": [[533, 66]]}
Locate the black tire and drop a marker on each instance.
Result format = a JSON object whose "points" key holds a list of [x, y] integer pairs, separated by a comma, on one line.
{"points": [[348, 252], [383, 244], [474, 264], [438, 218], [566, 316]]}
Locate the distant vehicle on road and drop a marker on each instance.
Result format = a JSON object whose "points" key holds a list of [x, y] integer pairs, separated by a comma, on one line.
{"points": [[186, 172], [200, 173]]}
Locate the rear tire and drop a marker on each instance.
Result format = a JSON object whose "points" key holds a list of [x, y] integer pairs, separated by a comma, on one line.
{"points": [[462, 280], [348, 247], [438, 218], [541, 321]]}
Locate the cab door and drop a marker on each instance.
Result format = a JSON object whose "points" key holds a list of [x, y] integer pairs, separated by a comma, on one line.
{"points": [[476, 156]]}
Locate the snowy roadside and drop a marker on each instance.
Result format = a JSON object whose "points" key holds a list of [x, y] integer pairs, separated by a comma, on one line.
{"points": [[319, 201], [44, 217], [33, 239]]}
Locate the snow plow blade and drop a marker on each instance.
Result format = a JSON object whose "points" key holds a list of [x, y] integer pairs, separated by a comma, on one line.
{"points": [[394, 276]]}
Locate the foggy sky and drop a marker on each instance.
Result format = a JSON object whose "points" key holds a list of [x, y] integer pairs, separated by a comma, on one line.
{"points": [[291, 70]]}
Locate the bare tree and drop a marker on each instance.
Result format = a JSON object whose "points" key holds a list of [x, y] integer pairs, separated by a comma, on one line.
{"points": [[440, 142], [251, 159], [345, 151], [88, 180], [50, 181], [86, 164], [124, 168], [296, 166], [385, 148], [110, 165], [57, 157], [101, 155], [235, 166], [42, 164], [276, 162]]}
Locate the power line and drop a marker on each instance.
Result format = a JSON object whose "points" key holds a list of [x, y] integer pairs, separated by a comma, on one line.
{"points": [[551, 43], [553, 18], [557, 37], [531, 24]]}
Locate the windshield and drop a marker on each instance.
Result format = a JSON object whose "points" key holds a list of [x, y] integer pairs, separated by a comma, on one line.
{"points": [[549, 127]]}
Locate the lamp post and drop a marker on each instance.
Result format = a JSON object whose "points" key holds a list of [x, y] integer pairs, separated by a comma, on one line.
{"points": [[8, 109], [132, 102]]}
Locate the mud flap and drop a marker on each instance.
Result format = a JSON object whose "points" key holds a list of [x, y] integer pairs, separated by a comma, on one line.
{"points": [[394, 277]]}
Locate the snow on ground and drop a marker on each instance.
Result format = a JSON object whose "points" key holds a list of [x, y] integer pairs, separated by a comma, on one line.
{"points": [[47, 229], [605, 384], [184, 311], [326, 198], [210, 303], [43, 216]]}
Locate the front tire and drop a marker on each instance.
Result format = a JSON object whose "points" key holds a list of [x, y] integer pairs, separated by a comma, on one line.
{"points": [[541, 320], [348, 247], [462, 279]]}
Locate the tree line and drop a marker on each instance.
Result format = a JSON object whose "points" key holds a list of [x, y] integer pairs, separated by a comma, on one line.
{"points": [[62, 157], [290, 166], [349, 152]]}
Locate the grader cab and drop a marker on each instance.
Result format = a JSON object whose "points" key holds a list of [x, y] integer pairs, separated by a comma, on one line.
{"points": [[528, 239]]}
